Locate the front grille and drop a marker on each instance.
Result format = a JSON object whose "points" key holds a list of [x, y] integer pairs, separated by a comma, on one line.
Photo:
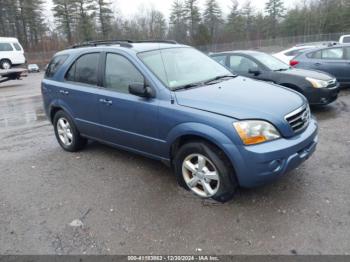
{"points": [[299, 119]]}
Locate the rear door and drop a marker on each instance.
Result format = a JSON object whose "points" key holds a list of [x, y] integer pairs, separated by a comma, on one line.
{"points": [[334, 62], [331, 60], [128, 120], [77, 93]]}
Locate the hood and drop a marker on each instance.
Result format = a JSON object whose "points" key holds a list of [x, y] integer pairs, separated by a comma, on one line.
{"points": [[243, 98], [307, 73]]}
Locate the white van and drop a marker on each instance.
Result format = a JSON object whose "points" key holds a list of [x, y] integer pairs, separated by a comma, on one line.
{"points": [[11, 53]]}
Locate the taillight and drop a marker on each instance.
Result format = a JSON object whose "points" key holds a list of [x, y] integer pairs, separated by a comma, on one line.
{"points": [[293, 62]]}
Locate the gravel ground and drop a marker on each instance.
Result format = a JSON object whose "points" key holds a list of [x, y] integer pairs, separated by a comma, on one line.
{"points": [[132, 205]]}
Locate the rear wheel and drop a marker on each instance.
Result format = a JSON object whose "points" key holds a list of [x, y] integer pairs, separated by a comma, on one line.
{"points": [[204, 170], [66, 133], [5, 64]]}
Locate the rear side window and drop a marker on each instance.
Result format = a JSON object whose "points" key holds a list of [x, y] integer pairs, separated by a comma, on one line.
{"points": [[54, 65], [17, 46], [315, 55], [5, 47], [347, 53], [332, 53], [346, 39], [85, 69]]}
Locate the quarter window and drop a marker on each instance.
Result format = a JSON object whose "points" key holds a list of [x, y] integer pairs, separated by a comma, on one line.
{"points": [[85, 69], [5, 47], [54, 65], [120, 73], [17, 46]]}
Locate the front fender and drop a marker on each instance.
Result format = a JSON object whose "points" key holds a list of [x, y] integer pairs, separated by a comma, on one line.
{"points": [[197, 129]]}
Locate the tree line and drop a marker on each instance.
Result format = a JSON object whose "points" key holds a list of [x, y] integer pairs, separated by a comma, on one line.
{"points": [[84, 20]]}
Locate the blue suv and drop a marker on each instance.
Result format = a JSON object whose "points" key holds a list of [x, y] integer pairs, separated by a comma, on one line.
{"points": [[173, 103]]}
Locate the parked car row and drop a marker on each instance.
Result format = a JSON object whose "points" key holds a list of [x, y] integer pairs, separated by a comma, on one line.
{"points": [[319, 88], [170, 102]]}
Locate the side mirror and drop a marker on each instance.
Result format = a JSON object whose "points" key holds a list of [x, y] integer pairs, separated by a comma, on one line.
{"points": [[254, 71], [142, 90]]}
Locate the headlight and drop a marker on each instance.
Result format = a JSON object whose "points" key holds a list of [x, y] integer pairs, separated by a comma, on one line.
{"points": [[317, 83], [256, 131]]}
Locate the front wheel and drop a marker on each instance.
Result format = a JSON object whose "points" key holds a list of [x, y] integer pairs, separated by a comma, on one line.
{"points": [[204, 170]]}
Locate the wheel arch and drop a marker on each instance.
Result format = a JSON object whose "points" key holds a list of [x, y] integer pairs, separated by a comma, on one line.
{"points": [[189, 132]]}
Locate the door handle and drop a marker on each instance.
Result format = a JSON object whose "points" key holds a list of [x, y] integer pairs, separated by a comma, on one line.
{"points": [[106, 101], [63, 92], [317, 64]]}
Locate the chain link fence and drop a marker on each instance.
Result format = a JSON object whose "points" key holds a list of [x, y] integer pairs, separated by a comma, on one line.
{"points": [[265, 45], [271, 45], [39, 58]]}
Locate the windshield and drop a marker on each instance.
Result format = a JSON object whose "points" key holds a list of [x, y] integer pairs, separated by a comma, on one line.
{"points": [[270, 62], [178, 67]]}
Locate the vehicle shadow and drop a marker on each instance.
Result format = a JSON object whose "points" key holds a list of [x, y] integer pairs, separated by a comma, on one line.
{"points": [[330, 111], [7, 85], [290, 185]]}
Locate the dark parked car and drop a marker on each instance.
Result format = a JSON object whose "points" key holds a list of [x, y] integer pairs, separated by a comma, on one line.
{"points": [[319, 88], [172, 103], [333, 60]]}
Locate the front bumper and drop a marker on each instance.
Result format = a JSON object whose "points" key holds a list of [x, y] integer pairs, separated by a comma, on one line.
{"points": [[259, 164], [323, 96]]}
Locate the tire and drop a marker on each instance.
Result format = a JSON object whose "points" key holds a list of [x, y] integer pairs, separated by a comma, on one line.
{"points": [[223, 182], [5, 64], [67, 133]]}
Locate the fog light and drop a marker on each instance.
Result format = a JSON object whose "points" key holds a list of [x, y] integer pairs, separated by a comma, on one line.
{"points": [[275, 165]]}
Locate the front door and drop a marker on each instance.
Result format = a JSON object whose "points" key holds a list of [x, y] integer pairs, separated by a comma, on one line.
{"points": [[127, 120]]}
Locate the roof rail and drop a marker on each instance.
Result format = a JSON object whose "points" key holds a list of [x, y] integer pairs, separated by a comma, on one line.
{"points": [[157, 41], [123, 43], [320, 43]]}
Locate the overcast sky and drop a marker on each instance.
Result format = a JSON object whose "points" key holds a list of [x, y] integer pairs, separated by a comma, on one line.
{"points": [[129, 7]]}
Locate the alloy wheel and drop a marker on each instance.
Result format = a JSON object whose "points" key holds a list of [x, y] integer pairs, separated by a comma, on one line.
{"points": [[64, 131], [200, 175]]}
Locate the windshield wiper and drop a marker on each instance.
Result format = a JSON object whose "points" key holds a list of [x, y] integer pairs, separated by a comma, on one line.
{"points": [[219, 78], [281, 69], [188, 86]]}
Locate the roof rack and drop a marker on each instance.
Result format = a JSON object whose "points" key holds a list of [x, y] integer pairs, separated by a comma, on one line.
{"points": [[123, 43]]}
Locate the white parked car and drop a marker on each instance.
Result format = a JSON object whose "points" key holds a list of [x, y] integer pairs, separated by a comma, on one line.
{"points": [[33, 68], [11, 53], [344, 39], [287, 55]]}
